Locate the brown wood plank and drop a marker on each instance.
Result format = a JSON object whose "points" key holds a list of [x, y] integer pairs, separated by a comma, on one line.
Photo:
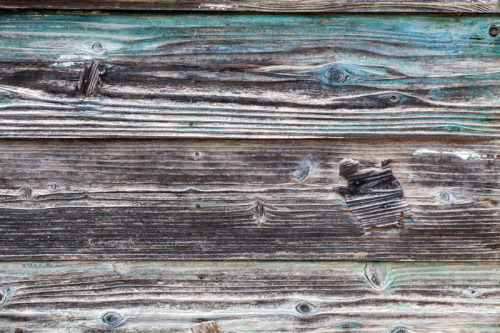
{"points": [[117, 296], [445, 6], [174, 199], [240, 76]]}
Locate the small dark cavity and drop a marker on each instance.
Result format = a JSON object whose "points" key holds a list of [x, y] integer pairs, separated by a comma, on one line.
{"points": [[202, 276], [394, 98], [111, 318], [18, 330], [197, 205]]}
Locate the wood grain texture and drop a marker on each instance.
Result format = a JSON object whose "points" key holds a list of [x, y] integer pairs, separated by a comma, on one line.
{"points": [[446, 6], [259, 76], [173, 296], [182, 199]]}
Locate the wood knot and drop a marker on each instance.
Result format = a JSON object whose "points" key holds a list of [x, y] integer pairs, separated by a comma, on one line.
{"points": [[399, 330], [336, 75], [373, 194], [376, 274], [205, 327], [26, 192], [90, 78], [3, 295], [112, 319], [304, 169], [494, 31], [304, 308], [259, 212]]}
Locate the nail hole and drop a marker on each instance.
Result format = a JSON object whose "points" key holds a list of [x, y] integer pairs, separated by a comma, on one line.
{"points": [[197, 154], [304, 308], [111, 318], [394, 98], [18, 330], [473, 292], [97, 47], [201, 276], [52, 186], [191, 123], [197, 205], [494, 31]]}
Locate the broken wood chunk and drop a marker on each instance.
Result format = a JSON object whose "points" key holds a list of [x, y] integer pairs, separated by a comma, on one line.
{"points": [[90, 78], [373, 194], [205, 327]]}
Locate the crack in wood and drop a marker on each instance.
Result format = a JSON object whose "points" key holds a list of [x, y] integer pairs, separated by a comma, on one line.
{"points": [[90, 78], [373, 194]]}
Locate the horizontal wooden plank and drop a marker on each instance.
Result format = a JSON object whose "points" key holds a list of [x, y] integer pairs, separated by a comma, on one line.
{"points": [[446, 6], [239, 76], [171, 296], [178, 199]]}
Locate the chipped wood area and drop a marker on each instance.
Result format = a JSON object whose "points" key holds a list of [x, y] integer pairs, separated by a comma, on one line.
{"points": [[276, 296], [443, 6], [373, 194], [189, 199], [261, 76], [205, 327]]}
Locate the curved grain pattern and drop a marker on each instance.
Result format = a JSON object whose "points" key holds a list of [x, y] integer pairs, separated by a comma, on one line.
{"points": [[446, 6], [259, 76], [241, 296], [170, 199]]}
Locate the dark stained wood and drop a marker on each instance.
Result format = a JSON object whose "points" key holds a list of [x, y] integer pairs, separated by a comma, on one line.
{"points": [[182, 199], [173, 296], [447, 6], [259, 76]]}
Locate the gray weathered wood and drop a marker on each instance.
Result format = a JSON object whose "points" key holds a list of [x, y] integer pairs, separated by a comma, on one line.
{"points": [[262, 199], [447, 6], [155, 296], [258, 76]]}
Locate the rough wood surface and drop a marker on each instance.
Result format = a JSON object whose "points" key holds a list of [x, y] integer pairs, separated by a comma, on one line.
{"points": [[74, 297], [447, 6], [240, 76], [260, 199]]}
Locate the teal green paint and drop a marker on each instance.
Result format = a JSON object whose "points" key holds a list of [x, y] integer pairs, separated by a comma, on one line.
{"points": [[121, 32]]}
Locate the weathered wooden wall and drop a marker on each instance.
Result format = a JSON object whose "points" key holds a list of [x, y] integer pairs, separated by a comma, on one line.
{"points": [[250, 296], [343, 139], [260, 76], [293, 6], [246, 199]]}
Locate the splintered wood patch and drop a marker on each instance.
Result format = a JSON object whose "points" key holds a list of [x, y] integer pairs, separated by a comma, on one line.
{"points": [[373, 194]]}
